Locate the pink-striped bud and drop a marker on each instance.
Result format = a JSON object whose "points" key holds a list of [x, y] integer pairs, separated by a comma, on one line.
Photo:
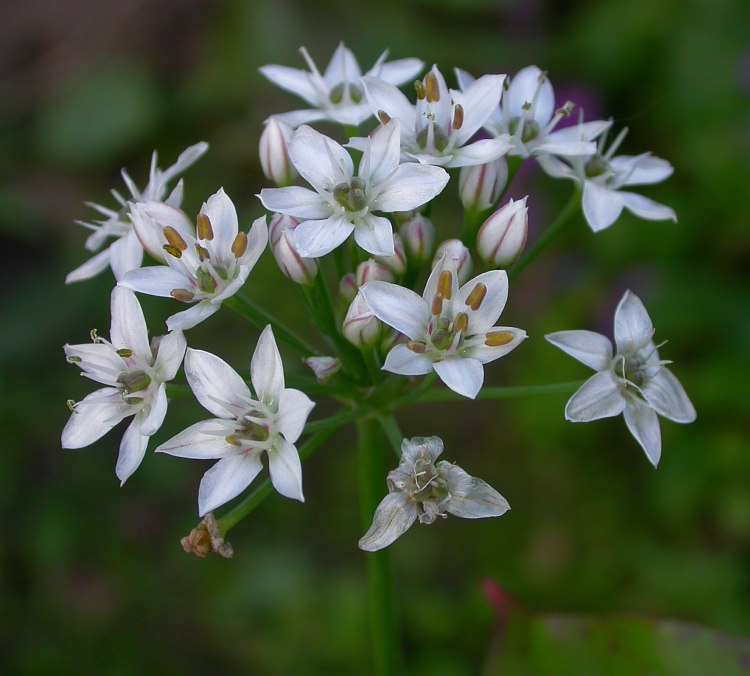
{"points": [[397, 262], [348, 287], [274, 153], [372, 271], [455, 250], [480, 186], [361, 327], [295, 267], [323, 367], [502, 237], [418, 235]]}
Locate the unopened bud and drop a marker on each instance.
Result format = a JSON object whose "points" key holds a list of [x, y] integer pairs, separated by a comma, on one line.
{"points": [[455, 250], [480, 186], [348, 287], [371, 271], [295, 267], [502, 237], [279, 223], [274, 153], [396, 263], [323, 367], [361, 327], [418, 235]]}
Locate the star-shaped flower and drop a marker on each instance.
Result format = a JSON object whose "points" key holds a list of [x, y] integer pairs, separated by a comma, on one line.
{"points": [[246, 426], [437, 130], [126, 252], [633, 381], [450, 328], [337, 94], [342, 203], [206, 269], [134, 373], [421, 489]]}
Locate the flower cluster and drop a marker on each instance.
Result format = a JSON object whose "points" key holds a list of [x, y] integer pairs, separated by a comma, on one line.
{"points": [[413, 293]]}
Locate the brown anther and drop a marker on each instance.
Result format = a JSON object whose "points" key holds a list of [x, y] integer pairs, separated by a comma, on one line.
{"points": [[475, 298], [432, 88], [420, 90], [125, 353], [384, 117], [498, 338], [458, 116], [202, 252], [239, 246], [172, 251], [416, 346], [461, 322], [445, 284], [183, 295], [205, 231], [174, 238], [437, 304]]}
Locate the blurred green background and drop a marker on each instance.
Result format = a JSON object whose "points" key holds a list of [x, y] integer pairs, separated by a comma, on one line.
{"points": [[93, 577]]}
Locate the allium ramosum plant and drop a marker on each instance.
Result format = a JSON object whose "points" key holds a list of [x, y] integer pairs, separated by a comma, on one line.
{"points": [[404, 318]]}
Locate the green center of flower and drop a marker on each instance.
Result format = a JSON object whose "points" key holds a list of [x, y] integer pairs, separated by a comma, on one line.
{"points": [[440, 138], [631, 369], [134, 381], [428, 485], [351, 195], [530, 130], [596, 166], [339, 92]]}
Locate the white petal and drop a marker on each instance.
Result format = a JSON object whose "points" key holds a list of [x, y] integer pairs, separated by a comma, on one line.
{"points": [[125, 254], [393, 517], [556, 168], [187, 319], [187, 157], [132, 450], [601, 206], [94, 416], [295, 118], [314, 239], [599, 397], [483, 318], [523, 88], [216, 385], [157, 280], [266, 369], [149, 220], [374, 234], [403, 361], [471, 498], [169, 355], [479, 101], [295, 201], [92, 267], [226, 480], [384, 96], [464, 78], [398, 307], [203, 440], [353, 115], [320, 160], [223, 216], [667, 397], [128, 329], [294, 407], [257, 239], [643, 424], [98, 361], [293, 80], [480, 152], [463, 375], [641, 169], [408, 187], [153, 421], [646, 208], [382, 153], [398, 72], [285, 469], [343, 67], [592, 349], [633, 327], [413, 449], [430, 288], [476, 349]]}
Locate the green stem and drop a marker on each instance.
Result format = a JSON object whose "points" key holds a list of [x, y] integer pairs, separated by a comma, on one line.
{"points": [[569, 210], [379, 573], [392, 430], [337, 420], [494, 393], [260, 318]]}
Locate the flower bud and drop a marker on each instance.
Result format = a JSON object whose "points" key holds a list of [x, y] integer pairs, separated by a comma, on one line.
{"points": [[502, 237], [397, 262], [361, 327], [295, 267], [323, 367], [274, 153], [480, 186], [348, 287], [455, 250], [390, 340], [371, 271], [418, 234]]}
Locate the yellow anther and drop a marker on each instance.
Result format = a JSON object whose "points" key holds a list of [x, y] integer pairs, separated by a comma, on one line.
{"points": [[174, 238], [498, 338], [183, 295], [202, 252], [416, 346], [437, 304], [432, 88], [73, 359], [445, 284], [239, 246], [172, 251], [205, 231], [233, 440], [461, 322], [125, 353], [384, 117], [458, 116], [420, 90], [475, 298], [95, 336]]}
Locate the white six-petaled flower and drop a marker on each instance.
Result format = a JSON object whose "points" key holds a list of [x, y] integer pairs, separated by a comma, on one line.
{"points": [[451, 329], [205, 269], [337, 94], [421, 489], [126, 252], [134, 373], [342, 203], [246, 426], [632, 381]]}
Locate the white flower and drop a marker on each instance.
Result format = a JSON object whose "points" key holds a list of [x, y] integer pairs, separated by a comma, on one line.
{"points": [[422, 489], [246, 425], [134, 373], [126, 252], [437, 130], [602, 176], [342, 203], [634, 381], [527, 114], [206, 269], [450, 328], [337, 94]]}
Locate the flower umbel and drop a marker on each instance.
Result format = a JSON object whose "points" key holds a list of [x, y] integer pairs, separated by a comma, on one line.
{"points": [[634, 382], [421, 489]]}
